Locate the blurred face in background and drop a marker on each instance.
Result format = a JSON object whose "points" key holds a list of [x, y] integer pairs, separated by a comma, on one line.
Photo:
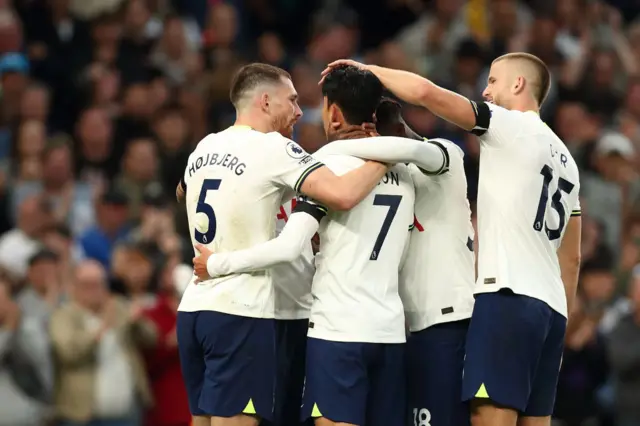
{"points": [[11, 39], [90, 289], [604, 69], [31, 139], [224, 24], [174, 41], [575, 125], [42, 274], [137, 275], [112, 217], [137, 101], [172, 130], [94, 130], [597, 287], [141, 160], [34, 104], [57, 168], [283, 107], [136, 16]]}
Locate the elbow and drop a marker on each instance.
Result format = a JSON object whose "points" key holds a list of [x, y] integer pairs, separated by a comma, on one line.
{"points": [[425, 94], [345, 200]]}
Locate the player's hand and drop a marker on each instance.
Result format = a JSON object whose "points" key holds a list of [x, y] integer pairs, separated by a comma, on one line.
{"points": [[339, 63], [200, 263], [354, 131]]}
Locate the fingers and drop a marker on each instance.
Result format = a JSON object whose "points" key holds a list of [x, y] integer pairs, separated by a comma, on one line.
{"points": [[201, 248]]}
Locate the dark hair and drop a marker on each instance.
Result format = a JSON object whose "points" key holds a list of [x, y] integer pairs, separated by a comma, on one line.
{"points": [[355, 91], [252, 75], [388, 112]]}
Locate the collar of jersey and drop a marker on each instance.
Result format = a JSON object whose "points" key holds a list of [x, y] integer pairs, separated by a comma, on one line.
{"points": [[240, 127]]}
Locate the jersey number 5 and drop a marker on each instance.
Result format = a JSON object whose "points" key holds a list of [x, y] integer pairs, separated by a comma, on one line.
{"points": [[556, 204], [391, 201], [202, 207]]}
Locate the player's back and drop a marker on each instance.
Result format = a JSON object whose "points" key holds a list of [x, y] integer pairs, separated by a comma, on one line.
{"points": [[236, 181], [438, 274], [528, 189], [355, 288]]}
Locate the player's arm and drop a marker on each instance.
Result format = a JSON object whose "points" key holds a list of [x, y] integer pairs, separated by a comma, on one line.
{"points": [[569, 257], [418, 90], [303, 173], [430, 156], [286, 247]]}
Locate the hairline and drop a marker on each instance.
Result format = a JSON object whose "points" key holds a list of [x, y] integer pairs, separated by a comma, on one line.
{"points": [[537, 63], [251, 93]]}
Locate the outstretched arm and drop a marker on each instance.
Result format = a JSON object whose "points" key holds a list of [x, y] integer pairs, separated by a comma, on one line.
{"points": [[287, 247], [431, 157], [418, 90]]}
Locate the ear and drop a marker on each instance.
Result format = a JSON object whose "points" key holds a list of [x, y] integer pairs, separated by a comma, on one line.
{"points": [[519, 85], [264, 102]]}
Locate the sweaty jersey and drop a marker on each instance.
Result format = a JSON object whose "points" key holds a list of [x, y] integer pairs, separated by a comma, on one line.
{"points": [[438, 274], [355, 288], [236, 181], [527, 192], [292, 280]]}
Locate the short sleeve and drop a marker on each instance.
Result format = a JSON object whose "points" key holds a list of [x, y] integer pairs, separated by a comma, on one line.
{"points": [[292, 164], [305, 204], [495, 126], [576, 210]]}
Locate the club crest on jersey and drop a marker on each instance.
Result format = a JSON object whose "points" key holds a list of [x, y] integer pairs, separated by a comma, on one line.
{"points": [[294, 151]]}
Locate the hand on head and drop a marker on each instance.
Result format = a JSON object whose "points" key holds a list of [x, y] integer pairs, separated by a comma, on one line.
{"points": [[354, 131], [340, 63]]}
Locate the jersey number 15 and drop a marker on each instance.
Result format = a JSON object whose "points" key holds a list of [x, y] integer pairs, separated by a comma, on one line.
{"points": [[202, 207], [556, 204]]}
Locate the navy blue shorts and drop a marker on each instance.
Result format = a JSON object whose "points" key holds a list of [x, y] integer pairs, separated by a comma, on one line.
{"points": [[291, 349], [435, 358], [228, 363], [357, 383], [514, 351]]}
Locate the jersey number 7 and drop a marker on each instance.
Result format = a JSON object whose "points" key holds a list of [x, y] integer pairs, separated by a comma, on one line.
{"points": [[202, 207], [391, 201], [563, 186]]}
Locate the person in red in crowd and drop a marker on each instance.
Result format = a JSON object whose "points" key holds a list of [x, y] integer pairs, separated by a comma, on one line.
{"points": [[163, 364]]}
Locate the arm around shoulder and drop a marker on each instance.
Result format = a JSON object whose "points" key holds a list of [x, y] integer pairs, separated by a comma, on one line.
{"points": [[346, 191], [287, 247]]}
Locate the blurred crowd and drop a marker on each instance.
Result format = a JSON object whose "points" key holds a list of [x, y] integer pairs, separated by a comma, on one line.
{"points": [[101, 102]]}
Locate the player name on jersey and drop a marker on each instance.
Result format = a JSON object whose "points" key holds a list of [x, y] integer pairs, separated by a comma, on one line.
{"points": [[214, 159]]}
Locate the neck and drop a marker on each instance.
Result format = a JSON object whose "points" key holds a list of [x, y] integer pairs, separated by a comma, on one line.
{"points": [[525, 105], [257, 123]]}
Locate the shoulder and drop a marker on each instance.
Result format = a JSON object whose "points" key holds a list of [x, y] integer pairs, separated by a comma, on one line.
{"points": [[338, 163]]}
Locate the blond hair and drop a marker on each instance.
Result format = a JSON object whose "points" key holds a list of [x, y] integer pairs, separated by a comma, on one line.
{"points": [[542, 83]]}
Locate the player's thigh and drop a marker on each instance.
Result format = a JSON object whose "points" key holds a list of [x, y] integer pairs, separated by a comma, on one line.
{"points": [[505, 340], [291, 344], [240, 361], [386, 401], [336, 383], [435, 358], [543, 390], [191, 359]]}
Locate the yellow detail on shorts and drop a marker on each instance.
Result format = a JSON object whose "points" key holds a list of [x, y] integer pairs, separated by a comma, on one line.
{"points": [[316, 411], [249, 409], [482, 392]]}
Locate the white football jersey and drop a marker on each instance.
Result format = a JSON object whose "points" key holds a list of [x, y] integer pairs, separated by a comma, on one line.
{"points": [[236, 181], [293, 279], [438, 274], [355, 288], [527, 192]]}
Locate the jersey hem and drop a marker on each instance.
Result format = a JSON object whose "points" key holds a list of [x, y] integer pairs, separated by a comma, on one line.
{"points": [[423, 325], [340, 337]]}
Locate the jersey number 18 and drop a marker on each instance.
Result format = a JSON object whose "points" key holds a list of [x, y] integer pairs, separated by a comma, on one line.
{"points": [[556, 203]]}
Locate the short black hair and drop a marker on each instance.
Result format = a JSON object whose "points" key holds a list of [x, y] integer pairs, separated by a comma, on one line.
{"points": [[250, 76], [357, 92], [389, 111]]}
